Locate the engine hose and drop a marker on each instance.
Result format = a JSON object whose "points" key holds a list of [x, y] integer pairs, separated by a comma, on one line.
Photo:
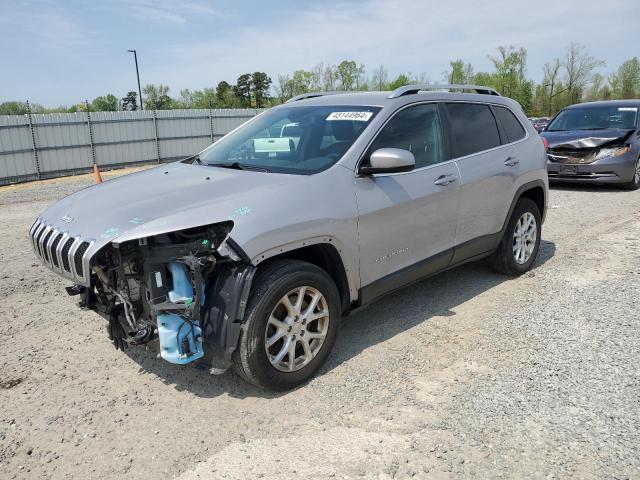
{"points": [[128, 308]]}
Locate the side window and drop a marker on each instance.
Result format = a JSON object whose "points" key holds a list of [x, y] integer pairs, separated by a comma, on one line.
{"points": [[473, 128], [510, 124], [416, 129]]}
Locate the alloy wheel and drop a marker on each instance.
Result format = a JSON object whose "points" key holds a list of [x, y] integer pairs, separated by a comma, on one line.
{"points": [[524, 238], [296, 329]]}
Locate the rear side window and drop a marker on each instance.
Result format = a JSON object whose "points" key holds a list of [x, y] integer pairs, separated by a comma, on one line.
{"points": [[510, 124], [473, 128]]}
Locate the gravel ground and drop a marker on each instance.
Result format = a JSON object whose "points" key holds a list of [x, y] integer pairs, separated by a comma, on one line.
{"points": [[465, 375]]}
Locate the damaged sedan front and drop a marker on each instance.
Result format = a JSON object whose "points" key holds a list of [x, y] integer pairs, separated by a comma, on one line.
{"points": [[595, 142]]}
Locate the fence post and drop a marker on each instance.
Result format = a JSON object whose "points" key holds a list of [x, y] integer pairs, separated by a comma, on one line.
{"points": [[36, 160], [93, 148], [211, 124], [155, 127]]}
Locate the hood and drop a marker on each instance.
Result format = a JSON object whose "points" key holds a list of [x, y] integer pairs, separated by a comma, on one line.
{"points": [[577, 139], [163, 199]]}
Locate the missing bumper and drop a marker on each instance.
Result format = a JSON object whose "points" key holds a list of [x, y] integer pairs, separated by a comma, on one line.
{"points": [[186, 289]]}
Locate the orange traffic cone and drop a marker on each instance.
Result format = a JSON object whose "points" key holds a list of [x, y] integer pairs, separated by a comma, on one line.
{"points": [[97, 178]]}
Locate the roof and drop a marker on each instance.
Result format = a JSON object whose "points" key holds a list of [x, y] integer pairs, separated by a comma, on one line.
{"points": [[607, 103], [381, 99]]}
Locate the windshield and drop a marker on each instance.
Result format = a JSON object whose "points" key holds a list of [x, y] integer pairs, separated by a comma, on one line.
{"points": [[298, 139], [594, 118]]}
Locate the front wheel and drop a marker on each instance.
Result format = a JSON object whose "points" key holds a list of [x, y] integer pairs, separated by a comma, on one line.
{"points": [[520, 244], [634, 184], [291, 325]]}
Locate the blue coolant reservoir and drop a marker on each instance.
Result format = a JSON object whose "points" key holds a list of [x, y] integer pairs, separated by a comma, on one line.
{"points": [[180, 339], [182, 291]]}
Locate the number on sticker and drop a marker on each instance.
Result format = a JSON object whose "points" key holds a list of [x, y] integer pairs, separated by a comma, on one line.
{"points": [[359, 116]]}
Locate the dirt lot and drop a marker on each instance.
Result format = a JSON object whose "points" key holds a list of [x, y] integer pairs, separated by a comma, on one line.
{"points": [[466, 375]]}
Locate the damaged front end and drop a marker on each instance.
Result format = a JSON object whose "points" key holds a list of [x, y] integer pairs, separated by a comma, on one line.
{"points": [[579, 156], [187, 289]]}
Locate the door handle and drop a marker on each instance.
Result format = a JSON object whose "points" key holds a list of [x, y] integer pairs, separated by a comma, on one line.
{"points": [[444, 180], [511, 162]]}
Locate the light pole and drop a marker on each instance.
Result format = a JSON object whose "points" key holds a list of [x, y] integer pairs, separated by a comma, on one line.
{"points": [[135, 57]]}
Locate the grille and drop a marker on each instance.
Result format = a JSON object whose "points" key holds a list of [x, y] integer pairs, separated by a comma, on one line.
{"points": [[54, 247], [571, 156], [77, 257], [45, 252], [61, 252], [36, 239], [65, 254]]}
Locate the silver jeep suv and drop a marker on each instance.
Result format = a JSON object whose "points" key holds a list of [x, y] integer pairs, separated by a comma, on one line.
{"points": [[251, 252]]}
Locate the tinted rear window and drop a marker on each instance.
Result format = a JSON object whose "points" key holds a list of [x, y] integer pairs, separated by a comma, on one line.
{"points": [[473, 128], [510, 124]]}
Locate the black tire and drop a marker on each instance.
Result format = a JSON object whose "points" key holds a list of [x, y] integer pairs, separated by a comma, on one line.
{"points": [[503, 260], [272, 282], [634, 184]]}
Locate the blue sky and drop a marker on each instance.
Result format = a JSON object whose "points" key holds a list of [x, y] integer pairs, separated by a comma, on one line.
{"points": [[61, 52]]}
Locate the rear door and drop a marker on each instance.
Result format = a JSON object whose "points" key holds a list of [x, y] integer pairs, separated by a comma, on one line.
{"points": [[407, 221], [488, 167]]}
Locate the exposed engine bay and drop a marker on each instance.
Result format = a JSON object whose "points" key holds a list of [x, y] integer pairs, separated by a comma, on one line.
{"points": [[186, 289]]}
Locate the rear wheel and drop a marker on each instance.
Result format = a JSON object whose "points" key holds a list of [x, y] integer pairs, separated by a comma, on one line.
{"points": [[291, 325], [521, 241], [634, 184]]}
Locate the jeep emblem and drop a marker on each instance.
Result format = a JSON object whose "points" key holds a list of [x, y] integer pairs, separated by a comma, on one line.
{"points": [[67, 219]]}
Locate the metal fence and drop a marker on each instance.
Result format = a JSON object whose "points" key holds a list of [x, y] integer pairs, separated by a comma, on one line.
{"points": [[36, 146]]}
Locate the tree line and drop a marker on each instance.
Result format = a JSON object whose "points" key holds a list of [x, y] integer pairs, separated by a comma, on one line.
{"points": [[571, 78]]}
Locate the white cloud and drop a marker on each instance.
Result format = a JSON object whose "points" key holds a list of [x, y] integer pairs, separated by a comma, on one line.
{"points": [[47, 25], [59, 50], [166, 11], [406, 35]]}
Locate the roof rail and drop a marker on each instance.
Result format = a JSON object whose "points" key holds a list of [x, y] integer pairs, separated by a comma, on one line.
{"points": [[311, 95], [413, 89]]}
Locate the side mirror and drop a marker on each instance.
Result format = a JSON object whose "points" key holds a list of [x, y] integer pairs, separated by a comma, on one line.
{"points": [[389, 160]]}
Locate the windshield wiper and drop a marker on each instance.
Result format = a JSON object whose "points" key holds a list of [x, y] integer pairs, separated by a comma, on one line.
{"points": [[238, 166]]}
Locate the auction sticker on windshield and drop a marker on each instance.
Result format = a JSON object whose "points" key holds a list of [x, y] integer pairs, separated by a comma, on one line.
{"points": [[359, 116]]}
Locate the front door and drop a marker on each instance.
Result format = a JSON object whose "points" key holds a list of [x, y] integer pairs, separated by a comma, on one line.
{"points": [[407, 221]]}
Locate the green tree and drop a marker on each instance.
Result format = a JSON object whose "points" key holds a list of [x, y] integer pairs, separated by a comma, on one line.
{"points": [[242, 89], [289, 86], [260, 84], [510, 67], [349, 75], [599, 89], [380, 79], [551, 82], [224, 95], [485, 78], [400, 81], [525, 96], [130, 101], [329, 78], [459, 72], [106, 103], [157, 97], [13, 108], [578, 71], [625, 82]]}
